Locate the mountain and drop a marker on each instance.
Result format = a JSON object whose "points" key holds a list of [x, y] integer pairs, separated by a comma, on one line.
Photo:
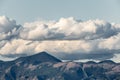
{"points": [[1, 61], [43, 66], [38, 58]]}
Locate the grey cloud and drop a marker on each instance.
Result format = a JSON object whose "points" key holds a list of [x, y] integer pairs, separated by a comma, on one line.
{"points": [[80, 56], [14, 55], [95, 55], [8, 28]]}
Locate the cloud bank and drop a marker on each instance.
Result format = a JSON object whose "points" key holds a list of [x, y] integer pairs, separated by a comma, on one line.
{"points": [[66, 38]]}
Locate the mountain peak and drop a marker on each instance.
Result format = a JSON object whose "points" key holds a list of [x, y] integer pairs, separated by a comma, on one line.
{"points": [[39, 58], [42, 54], [46, 57]]}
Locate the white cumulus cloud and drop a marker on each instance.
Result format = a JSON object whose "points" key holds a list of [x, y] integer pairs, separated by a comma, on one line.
{"points": [[68, 29], [66, 38]]}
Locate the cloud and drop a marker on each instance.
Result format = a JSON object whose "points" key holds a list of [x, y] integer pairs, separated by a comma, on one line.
{"points": [[66, 38], [111, 43], [68, 29], [8, 28]]}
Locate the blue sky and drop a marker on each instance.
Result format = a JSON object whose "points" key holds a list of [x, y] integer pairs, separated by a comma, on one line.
{"points": [[30, 10]]}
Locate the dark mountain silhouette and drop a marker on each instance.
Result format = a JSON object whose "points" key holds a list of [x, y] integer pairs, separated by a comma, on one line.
{"points": [[38, 58], [108, 62], [1, 61], [43, 66]]}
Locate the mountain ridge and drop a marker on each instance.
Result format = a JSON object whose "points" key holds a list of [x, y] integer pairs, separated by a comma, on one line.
{"points": [[43, 66], [39, 58]]}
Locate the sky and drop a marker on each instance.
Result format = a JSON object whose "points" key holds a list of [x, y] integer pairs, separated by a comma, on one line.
{"points": [[28, 10], [70, 30]]}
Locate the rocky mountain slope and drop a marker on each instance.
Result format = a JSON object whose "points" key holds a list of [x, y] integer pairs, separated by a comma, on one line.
{"points": [[43, 66]]}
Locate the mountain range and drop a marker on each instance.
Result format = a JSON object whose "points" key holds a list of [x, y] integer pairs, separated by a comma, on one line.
{"points": [[43, 66]]}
